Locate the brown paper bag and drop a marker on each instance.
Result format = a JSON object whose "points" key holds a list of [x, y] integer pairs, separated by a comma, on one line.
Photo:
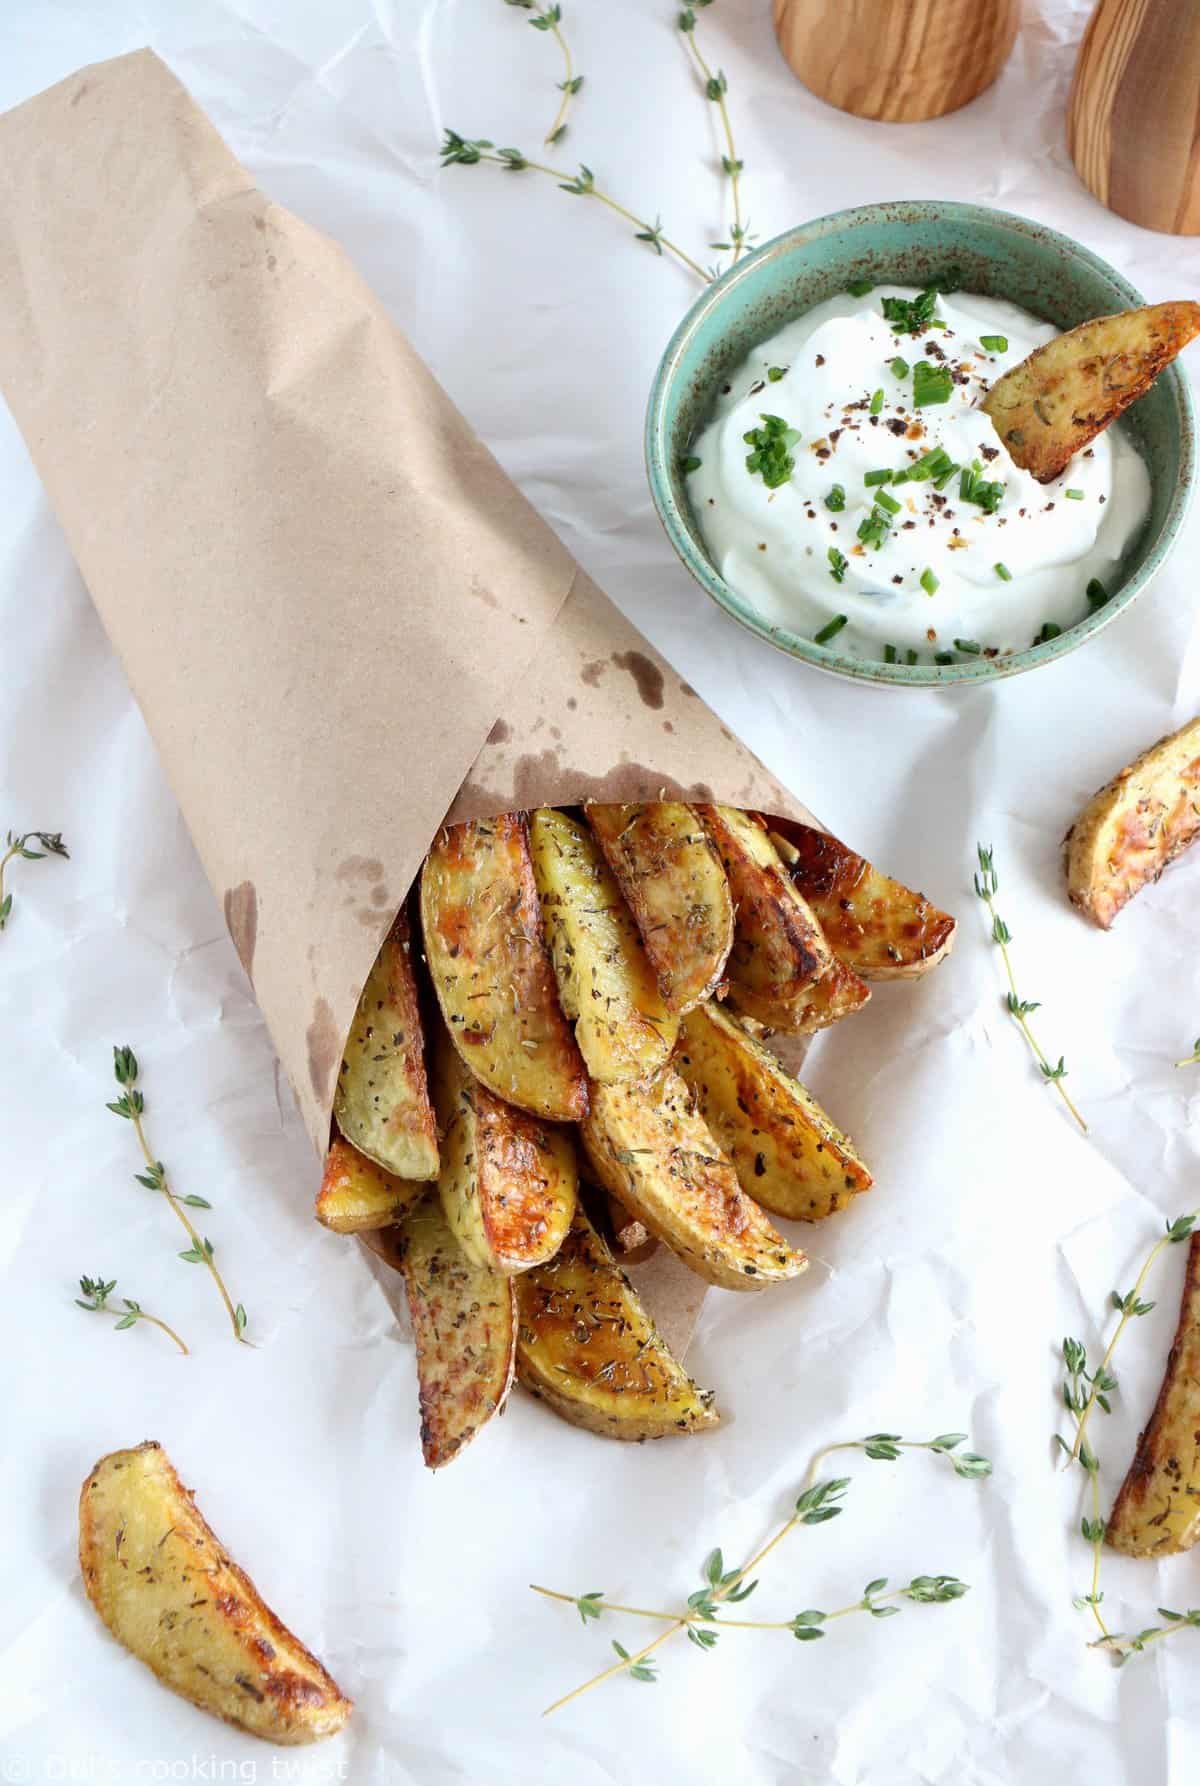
{"points": [[340, 618]]}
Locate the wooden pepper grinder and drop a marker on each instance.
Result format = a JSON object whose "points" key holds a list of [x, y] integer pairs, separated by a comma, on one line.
{"points": [[896, 60], [1133, 119]]}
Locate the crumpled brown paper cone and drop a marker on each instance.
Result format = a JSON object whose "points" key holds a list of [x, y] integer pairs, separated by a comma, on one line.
{"points": [[340, 618]]}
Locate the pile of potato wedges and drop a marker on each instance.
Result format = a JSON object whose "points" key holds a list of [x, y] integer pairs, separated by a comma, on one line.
{"points": [[577, 1055]]}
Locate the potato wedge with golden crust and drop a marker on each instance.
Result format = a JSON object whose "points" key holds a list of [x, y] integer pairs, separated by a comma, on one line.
{"points": [[588, 1349], [605, 980], [508, 1180], [488, 962], [160, 1579], [355, 1193], [1137, 824], [877, 927], [787, 1154], [779, 951], [464, 1323], [1158, 1509], [667, 867], [1047, 408], [382, 1100], [650, 1147]]}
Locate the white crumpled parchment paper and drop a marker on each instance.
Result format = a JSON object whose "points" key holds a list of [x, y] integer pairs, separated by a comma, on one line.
{"points": [[938, 1302]]}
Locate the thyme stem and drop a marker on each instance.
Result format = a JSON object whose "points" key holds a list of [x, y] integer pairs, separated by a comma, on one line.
{"points": [[19, 845], [569, 89], [682, 1620], [204, 1251], [714, 88]]}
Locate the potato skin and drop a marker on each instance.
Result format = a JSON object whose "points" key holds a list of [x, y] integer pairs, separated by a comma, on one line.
{"points": [[464, 1328], [605, 981], [1157, 1512], [668, 869], [779, 950], [588, 1349], [650, 1147], [787, 1154], [508, 1181], [356, 1194], [160, 1579], [1047, 408], [1135, 827], [876, 926], [482, 923], [382, 1100]]}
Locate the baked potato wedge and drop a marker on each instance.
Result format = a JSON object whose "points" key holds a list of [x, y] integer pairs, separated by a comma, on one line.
{"points": [[651, 1148], [1158, 1509], [588, 1349], [671, 875], [464, 1323], [878, 928], [382, 1100], [160, 1579], [779, 951], [787, 1154], [1135, 826], [605, 981], [488, 962], [1047, 408], [508, 1180], [355, 1193]]}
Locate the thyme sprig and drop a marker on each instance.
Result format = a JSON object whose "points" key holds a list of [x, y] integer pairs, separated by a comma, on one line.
{"points": [[17, 845], [818, 1502], [550, 20], [715, 87], [1083, 1390], [459, 151], [94, 1296], [1192, 1059], [131, 1105], [986, 885]]}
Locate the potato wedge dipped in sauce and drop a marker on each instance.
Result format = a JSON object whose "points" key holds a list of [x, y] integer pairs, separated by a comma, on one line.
{"points": [[382, 1100], [652, 1149], [588, 1349], [878, 928], [668, 869], [508, 1179], [1135, 827], [482, 922], [605, 981], [786, 1152], [165, 1586], [779, 950], [464, 1328]]}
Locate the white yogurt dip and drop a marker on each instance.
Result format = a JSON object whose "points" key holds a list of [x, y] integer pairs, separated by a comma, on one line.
{"points": [[936, 572]]}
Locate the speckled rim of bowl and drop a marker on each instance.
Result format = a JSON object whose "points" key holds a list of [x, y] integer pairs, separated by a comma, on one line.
{"points": [[832, 662]]}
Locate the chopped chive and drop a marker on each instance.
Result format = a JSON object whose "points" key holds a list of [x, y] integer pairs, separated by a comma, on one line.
{"points": [[931, 384], [994, 343], [877, 477], [830, 630], [838, 565], [943, 477], [972, 647], [929, 583], [902, 476], [1003, 572], [691, 463], [1097, 594], [873, 529], [910, 315], [877, 401], [910, 656], [858, 288], [1050, 630], [898, 367], [775, 373], [1073, 495], [836, 500], [887, 501], [889, 654], [943, 657], [771, 457]]}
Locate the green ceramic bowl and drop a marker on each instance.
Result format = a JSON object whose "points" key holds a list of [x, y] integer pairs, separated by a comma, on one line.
{"points": [[910, 243]]}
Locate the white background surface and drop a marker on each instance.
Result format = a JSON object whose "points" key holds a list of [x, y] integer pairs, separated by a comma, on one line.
{"points": [[937, 1302]]}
